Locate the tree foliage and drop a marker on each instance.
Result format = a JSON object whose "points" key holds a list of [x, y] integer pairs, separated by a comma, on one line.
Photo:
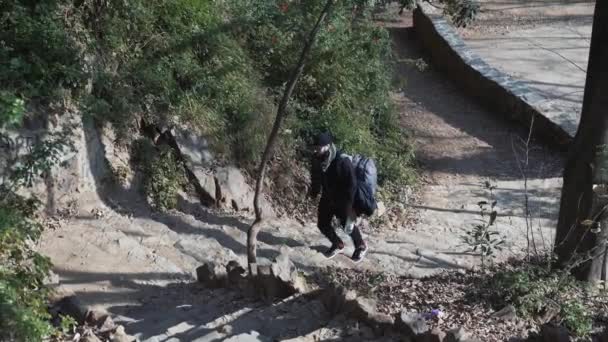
{"points": [[216, 66]]}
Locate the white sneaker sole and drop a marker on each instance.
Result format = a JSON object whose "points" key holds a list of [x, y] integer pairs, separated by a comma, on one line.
{"points": [[361, 258], [328, 257]]}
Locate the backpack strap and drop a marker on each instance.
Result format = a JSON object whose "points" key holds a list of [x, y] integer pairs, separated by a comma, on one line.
{"points": [[340, 154]]}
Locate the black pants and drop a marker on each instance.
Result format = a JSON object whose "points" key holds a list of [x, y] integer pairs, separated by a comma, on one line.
{"points": [[325, 214]]}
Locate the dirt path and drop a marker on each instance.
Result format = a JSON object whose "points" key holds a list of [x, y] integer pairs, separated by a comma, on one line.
{"points": [[139, 265], [460, 146]]}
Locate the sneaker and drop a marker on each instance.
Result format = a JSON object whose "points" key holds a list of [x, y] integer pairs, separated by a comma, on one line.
{"points": [[359, 254], [333, 251]]}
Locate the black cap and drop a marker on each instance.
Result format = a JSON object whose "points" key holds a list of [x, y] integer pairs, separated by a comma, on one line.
{"points": [[323, 139]]}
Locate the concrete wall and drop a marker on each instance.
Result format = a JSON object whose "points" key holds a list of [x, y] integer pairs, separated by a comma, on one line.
{"points": [[496, 90]]}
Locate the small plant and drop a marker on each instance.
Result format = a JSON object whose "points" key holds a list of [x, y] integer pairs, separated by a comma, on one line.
{"points": [[12, 109], [68, 324], [418, 63], [576, 318], [481, 238]]}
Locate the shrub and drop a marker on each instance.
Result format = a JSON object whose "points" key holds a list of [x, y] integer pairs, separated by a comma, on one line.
{"points": [[164, 180], [42, 61], [23, 296], [163, 174], [534, 288], [185, 67]]}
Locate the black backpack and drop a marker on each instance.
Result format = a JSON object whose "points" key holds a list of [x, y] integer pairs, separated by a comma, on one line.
{"points": [[367, 181]]}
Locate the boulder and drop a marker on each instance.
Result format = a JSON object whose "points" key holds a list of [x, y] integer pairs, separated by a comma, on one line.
{"points": [[192, 146], [96, 317], [338, 300], [204, 184], [121, 336], [232, 191], [278, 279], [411, 324], [107, 325], [193, 150], [211, 275], [224, 187], [285, 270], [226, 329]]}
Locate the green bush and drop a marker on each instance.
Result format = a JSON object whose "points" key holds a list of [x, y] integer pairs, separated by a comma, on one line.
{"points": [[12, 109], [23, 296], [40, 54], [163, 174], [164, 180], [533, 288], [177, 61]]}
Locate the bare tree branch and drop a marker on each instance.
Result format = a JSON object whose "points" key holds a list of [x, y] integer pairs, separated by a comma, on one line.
{"points": [[268, 151]]}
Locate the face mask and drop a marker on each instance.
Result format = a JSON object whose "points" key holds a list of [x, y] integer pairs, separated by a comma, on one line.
{"points": [[322, 156], [321, 151]]}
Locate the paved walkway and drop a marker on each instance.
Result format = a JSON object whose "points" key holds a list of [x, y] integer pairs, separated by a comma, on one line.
{"points": [[460, 146], [544, 44]]}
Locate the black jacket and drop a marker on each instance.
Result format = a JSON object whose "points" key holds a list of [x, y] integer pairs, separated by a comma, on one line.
{"points": [[338, 185]]}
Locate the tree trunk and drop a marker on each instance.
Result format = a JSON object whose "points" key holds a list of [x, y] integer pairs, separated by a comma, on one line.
{"points": [[577, 246], [281, 112]]}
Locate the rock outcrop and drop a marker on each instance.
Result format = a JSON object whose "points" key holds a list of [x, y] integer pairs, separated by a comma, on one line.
{"points": [[224, 187]]}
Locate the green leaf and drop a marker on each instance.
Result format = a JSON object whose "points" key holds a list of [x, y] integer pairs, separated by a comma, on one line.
{"points": [[493, 216]]}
